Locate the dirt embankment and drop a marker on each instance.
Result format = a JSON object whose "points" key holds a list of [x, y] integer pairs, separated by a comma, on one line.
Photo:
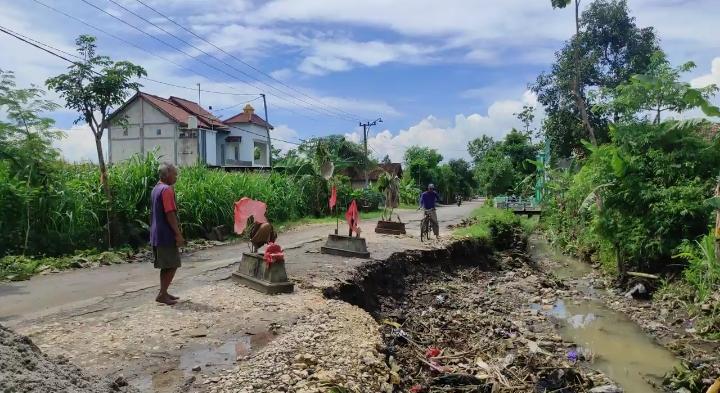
{"points": [[24, 368], [458, 320]]}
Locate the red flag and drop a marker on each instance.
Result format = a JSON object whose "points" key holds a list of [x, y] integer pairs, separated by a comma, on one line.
{"points": [[333, 197], [353, 217], [246, 207]]}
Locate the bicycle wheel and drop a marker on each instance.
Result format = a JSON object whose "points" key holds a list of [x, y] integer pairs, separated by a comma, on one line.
{"points": [[424, 229]]}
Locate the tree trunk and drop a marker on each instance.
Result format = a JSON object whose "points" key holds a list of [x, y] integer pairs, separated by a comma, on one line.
{"points": [[579, 100], [27, 213], [105, 185], [620, 264]]}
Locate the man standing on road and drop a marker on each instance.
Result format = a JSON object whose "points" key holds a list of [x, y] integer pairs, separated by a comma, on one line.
{"points": [[428, 200], [165, 235]]}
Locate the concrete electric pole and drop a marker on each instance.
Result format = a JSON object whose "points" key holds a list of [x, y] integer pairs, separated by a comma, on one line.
{"points": [[366, 128]]}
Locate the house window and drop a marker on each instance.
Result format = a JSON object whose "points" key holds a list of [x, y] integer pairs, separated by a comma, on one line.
{"points": [[237, 152], [158, 131]]}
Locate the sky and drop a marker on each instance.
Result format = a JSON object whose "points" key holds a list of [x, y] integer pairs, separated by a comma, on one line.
{"points": [[438, 73]]}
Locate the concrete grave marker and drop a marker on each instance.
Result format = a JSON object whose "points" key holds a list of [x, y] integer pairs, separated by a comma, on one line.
{"points": [[346, 246], [257, 274]]}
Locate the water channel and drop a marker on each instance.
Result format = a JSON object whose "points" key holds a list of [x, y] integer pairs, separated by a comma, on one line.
{"points": [[619, 347]]}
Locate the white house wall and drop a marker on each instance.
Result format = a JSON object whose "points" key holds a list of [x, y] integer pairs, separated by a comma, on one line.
{"points": [[211, 148], [165, 149], [249, 133], [147, 129]]}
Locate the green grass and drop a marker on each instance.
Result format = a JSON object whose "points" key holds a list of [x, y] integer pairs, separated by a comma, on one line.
{"points": [[495, 226], [18, 267]]}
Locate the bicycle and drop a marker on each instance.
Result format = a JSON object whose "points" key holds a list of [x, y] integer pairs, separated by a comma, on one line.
{"points": [[425, 226]]}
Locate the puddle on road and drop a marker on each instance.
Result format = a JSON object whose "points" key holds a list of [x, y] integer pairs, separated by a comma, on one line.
{"points": [[211, 359], [619, 347]]}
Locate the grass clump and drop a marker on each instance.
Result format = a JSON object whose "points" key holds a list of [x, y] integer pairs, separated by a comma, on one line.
{"points": [[20, 267], [495, 226]]}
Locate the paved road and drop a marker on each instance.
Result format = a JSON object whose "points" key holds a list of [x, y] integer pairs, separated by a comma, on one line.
{"points": [[71, 290]]}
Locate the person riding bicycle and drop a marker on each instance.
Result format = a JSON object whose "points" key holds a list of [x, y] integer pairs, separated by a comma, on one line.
{"points": [[428, 200]]}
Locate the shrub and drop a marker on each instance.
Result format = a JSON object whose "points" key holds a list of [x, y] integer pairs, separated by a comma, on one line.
{"points": [[496, 226], [68, 213]]}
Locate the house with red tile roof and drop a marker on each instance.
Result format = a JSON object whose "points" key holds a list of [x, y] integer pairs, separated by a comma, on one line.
{"points": [[182, 132]]}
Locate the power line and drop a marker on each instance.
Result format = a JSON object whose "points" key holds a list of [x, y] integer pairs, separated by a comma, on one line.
{"points": [[202, 90], [196, 48], [242, 61], [38, 46], [27, 41], [118, 38], [19, 35], [236, 105]]}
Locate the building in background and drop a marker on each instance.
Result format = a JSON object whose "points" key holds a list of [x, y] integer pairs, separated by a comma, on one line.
{"points": [[248, 140], [183, 133], [357, 176]]}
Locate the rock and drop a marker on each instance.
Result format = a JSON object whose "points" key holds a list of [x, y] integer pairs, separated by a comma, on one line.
{"points": [[326, 376], [197, 368], [606, 389]]}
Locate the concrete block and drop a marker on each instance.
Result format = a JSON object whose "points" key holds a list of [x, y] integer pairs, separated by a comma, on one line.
{"points": [[254, 273], [346, 246], [390, 228]]}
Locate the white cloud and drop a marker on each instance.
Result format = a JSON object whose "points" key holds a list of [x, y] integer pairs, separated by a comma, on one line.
{"points": [[332, 56], [712, 78], [282, 74], [450, 139], [79, 145], [318, 65], [286, 134]]}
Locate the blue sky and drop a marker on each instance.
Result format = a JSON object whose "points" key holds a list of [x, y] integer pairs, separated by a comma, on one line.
{"points": [[439, 73]]}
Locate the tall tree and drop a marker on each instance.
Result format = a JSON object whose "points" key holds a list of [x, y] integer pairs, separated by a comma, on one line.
{"points": [[26, 152], [576, 88], [342, 152], [93, 87], [478, 147], [465, 183], [421, 163], [495, 174], [607, 49], [526, 117], [386, 159], [518, 147], [658, 90]]}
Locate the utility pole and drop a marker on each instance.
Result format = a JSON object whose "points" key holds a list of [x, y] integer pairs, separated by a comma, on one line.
{"points": [[199, 95], [267, 128], [366, 128]]}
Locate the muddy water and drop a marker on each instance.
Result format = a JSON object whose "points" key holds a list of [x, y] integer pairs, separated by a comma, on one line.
{"points": [[210, 358], [615, 344]]}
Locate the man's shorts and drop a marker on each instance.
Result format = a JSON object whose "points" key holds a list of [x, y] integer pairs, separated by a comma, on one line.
{"points": [[166, 257]]}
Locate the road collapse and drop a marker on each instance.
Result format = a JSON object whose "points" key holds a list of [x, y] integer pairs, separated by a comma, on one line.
{"points": [[459, 320]]}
